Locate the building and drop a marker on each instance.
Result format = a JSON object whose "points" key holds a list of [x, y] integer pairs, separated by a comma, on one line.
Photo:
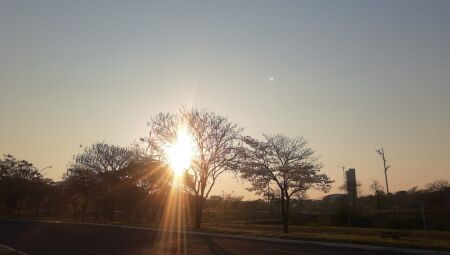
{"points": [[351, 186]]}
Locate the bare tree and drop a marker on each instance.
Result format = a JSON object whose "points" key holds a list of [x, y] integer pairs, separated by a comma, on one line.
{"points": [[437, 186], [216, 141], [105, 158], [287, 162], [378, 192]]}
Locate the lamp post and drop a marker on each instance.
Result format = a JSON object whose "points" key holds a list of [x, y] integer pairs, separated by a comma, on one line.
{"points": [[47, 167]]}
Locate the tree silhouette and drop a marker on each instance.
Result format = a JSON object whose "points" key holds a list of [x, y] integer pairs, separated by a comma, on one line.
{"points": [[287, 162], [107, 161], [81, 185], [216, 140], [378, 192], [19, 181], [151, 179]]}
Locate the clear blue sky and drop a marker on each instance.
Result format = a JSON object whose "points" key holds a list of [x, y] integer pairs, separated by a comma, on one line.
{"points": [[351, 76]]}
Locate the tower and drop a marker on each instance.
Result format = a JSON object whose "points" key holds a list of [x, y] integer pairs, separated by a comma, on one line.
{"points": [[351, 186]]}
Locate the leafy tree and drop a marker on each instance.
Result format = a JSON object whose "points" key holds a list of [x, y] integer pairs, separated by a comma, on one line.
{"points": [[107, 161], [216, 142], [18, 181], [287, 162], [81, 184], [438, 193], [150, 178]]}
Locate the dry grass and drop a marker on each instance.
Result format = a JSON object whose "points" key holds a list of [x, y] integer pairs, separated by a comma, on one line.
{"points": [[439, 240]]}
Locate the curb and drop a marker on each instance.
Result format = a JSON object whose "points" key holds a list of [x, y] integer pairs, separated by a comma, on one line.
{"points": [[6, 250], [265, 239]]}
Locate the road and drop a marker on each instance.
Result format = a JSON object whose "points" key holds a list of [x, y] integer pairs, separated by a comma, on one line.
{"points": [[60, 238]]}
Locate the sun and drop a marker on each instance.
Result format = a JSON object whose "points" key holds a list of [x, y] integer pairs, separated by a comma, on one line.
{"points": [[180, 153]]}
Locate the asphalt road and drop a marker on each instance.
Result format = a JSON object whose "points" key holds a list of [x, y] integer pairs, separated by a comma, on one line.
{"points": [[59, 238]]}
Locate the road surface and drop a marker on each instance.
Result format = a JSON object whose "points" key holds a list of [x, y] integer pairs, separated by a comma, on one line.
{"points": [[36, 238]]}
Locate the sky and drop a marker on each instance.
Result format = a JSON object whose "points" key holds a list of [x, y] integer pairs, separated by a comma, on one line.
{"points": [[350, 76]]}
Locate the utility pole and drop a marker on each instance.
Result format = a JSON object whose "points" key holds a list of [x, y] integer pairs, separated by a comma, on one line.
{"points": [[386, 167]]}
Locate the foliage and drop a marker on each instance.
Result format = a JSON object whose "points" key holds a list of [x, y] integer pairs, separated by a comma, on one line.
{"points": [[20, 182], [287, 162]]}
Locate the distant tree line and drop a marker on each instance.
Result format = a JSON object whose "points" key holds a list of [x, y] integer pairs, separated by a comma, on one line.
{"points": [[106, 182]]}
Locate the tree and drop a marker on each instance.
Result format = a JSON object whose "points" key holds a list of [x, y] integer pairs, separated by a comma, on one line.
{"points": [[152, 178], [301, 196], [18, 180], [378, 192], [352, 190], [80, 184], [287, 162], [437, 186], [107, 161], [216, 141], [438, 193]]}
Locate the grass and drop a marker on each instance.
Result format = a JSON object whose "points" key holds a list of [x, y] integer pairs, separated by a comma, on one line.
{"points": [[437, 240]]}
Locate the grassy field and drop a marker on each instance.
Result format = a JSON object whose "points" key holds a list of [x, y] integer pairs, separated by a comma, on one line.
{"points": [[439, 240]]}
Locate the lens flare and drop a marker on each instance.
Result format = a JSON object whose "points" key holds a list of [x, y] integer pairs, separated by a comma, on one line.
{"points": [[180, 153]]}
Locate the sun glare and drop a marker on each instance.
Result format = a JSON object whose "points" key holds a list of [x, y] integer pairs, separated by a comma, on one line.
{"points": [[180, 153]]}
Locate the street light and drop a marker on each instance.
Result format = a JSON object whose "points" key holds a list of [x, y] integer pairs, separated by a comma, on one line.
{"points": [[47, 167]]}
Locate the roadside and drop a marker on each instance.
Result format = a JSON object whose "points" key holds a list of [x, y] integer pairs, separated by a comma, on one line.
{"points": [[416, 239], [358, 238]]}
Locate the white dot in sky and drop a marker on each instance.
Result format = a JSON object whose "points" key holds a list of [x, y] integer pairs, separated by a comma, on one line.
{"points": [[271, 79]]}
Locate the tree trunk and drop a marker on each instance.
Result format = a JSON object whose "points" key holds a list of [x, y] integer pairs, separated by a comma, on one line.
{"points": [[97, 208], [286, 223], [284, 214], [74, 206], [111, 209], [37, 209], [299, 208], [84, 208], [198, 212], [378, 205]]}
